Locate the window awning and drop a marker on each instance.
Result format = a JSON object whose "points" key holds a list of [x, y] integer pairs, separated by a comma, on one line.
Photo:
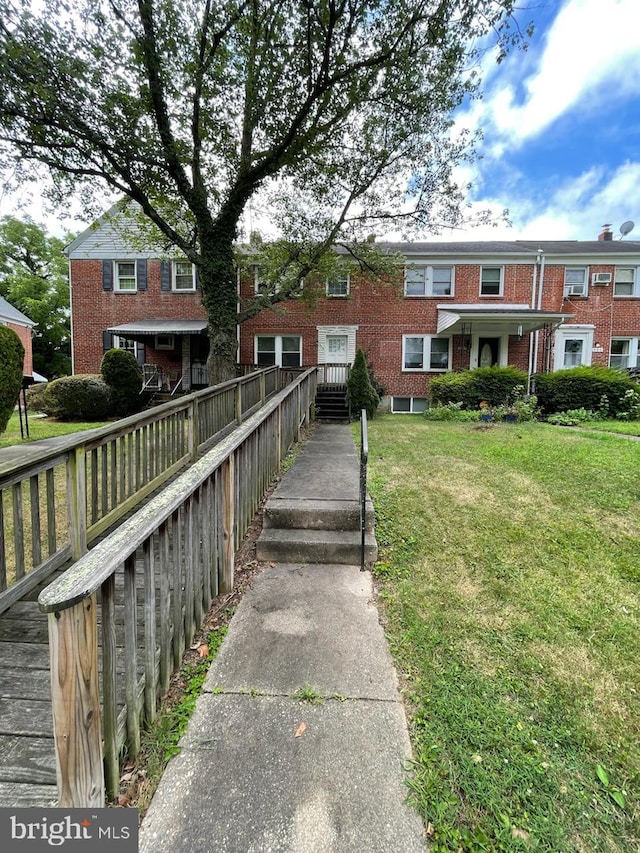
{"points": [[495, 319], [159, 326]]}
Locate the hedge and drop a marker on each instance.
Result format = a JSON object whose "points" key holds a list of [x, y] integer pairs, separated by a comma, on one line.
{"points": [[361, 393], [11, 369], [584, 388], [493, 385], [85, 398], [123, 374]]}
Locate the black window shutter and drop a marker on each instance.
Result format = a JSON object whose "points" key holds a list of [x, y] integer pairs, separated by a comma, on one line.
{"points": [[165, 275], [141, 273], [107, 275], [140, 353], [107, 341], [197, 279]]}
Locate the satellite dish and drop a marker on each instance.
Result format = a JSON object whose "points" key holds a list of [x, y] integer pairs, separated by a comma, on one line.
{"points": [[626, 227]]}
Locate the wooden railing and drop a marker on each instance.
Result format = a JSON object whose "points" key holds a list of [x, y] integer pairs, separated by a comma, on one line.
{"points": [[333, 375], [170, 558], [55, 503]]}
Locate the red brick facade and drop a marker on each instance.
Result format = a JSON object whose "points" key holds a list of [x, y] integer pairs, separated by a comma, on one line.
{"points": [[380, 315]]}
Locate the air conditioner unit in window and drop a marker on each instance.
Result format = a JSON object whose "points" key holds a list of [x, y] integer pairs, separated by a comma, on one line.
{"points": [[601, 278], [574, 290]]}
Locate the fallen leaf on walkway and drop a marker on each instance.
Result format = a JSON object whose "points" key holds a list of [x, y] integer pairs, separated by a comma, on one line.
{"points": [[203, 650], [301, 730]]}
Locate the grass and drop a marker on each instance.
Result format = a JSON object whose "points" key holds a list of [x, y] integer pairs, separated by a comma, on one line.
{"points": [[622, 427], [509, 575], [40, 428]]}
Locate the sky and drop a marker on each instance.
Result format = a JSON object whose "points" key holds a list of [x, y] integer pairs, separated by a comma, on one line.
{"points": [[560, 125]]}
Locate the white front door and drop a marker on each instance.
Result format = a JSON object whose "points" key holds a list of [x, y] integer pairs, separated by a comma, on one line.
{"points": [[336, 356]]}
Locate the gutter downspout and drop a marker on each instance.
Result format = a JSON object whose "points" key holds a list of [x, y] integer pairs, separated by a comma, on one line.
{"points": [[539, 307], [71, 335], [531, 339]]}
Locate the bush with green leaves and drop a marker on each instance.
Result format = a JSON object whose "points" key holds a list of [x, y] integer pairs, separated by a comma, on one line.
{"points": [[572, 417], [123, 374], [451, 412], [584, 388], [84, 397], [360, 391], [35, 396], [492, 385], [11, 372]]}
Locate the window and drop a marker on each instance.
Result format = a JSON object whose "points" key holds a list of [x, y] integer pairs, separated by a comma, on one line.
{"points": [[183, 275], [625, 353], [283, 350], [573, 352], [626, 282], [424, 352], [125, 343], [428, 281], [165, 342], [491, 281], [408, 405], [125, 276], [338, 284], [575, 281]]}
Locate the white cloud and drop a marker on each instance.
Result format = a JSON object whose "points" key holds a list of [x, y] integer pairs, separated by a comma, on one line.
{"points": [[591, 49]]}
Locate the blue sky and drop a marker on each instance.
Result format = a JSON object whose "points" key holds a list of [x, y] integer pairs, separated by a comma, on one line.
{"points": [[560, 123]]}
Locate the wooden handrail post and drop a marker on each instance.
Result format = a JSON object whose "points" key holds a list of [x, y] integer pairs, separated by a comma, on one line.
{"points": [[263, 388], [228, 524], [193, 432], [73, 652], [238, 402], [297, 433], [77, 501]]}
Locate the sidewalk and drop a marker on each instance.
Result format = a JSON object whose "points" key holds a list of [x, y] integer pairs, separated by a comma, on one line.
{"points": [[259, 770]]}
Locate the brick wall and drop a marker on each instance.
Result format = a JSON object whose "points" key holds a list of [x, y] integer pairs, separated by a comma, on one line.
{"points": [[25, 335]]}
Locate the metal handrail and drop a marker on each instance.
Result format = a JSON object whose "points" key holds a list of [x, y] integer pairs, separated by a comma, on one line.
{"points": [[364, 458]]}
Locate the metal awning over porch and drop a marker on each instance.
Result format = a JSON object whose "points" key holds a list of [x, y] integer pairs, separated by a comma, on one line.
{"points": [[495, 319], [159, 326]]}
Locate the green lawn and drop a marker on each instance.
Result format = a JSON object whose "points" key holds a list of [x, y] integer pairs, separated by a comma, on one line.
{"points": [[623, 427], [40, 428], [508, 576]]}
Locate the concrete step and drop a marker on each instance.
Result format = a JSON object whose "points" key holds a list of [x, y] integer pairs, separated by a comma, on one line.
{"points": [[315, 546], [315, 514]]}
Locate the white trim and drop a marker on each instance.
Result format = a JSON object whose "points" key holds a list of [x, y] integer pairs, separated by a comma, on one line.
{"points": [[171, 344], [427, 282], [349, 331], [338, 278], [174, 275], [278, 347], [412, 409], [426, 354], [632, 354], [116, 277], [503, 353], [567, 289], [635, 285], [573, 332], [500, 293]]}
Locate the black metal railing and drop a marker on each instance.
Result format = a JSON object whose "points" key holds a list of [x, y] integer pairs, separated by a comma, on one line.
{"points": [[364, 457]]}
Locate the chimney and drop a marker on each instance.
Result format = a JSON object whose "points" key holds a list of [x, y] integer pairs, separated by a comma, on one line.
{"points": [[606, 233]]}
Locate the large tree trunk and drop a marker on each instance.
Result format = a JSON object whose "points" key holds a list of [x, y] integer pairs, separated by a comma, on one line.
{"points": [[219, 296]]}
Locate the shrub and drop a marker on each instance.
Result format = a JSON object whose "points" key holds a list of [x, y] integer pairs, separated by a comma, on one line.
{"points": [[11, 371], [572, 417], [72, 398], [360, 392], [35, 396], [120, 370], [492, 385], [451, 412], [584, 388]]}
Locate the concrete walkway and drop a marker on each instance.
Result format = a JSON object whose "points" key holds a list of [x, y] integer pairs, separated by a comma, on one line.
{"points": [[259, 769]]}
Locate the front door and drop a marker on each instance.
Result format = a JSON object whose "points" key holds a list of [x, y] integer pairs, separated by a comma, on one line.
{"points": [[488, 352], [335, 374]]}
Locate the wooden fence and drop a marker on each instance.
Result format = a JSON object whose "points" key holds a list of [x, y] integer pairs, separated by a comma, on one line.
{"points": [[169, 559], [55, 504]]}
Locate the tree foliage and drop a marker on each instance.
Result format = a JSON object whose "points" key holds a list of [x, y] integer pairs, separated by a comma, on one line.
{"points": [[123, 375], [335, 114], [11, 366], [34, 279], [360, 391]]}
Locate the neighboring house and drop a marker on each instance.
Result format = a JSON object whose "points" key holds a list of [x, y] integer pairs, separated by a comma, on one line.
{"points": [[23, 327], [539, 305]]}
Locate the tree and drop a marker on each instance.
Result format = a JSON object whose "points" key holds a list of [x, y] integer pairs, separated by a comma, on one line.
{"points": [[11, 359], [360, 391], [335, 111], [34, 279]]}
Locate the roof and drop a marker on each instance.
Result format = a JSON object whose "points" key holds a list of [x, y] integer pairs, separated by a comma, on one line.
{"points": [[509, 319], [8, 312], [521, 248], [160, 326]]}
